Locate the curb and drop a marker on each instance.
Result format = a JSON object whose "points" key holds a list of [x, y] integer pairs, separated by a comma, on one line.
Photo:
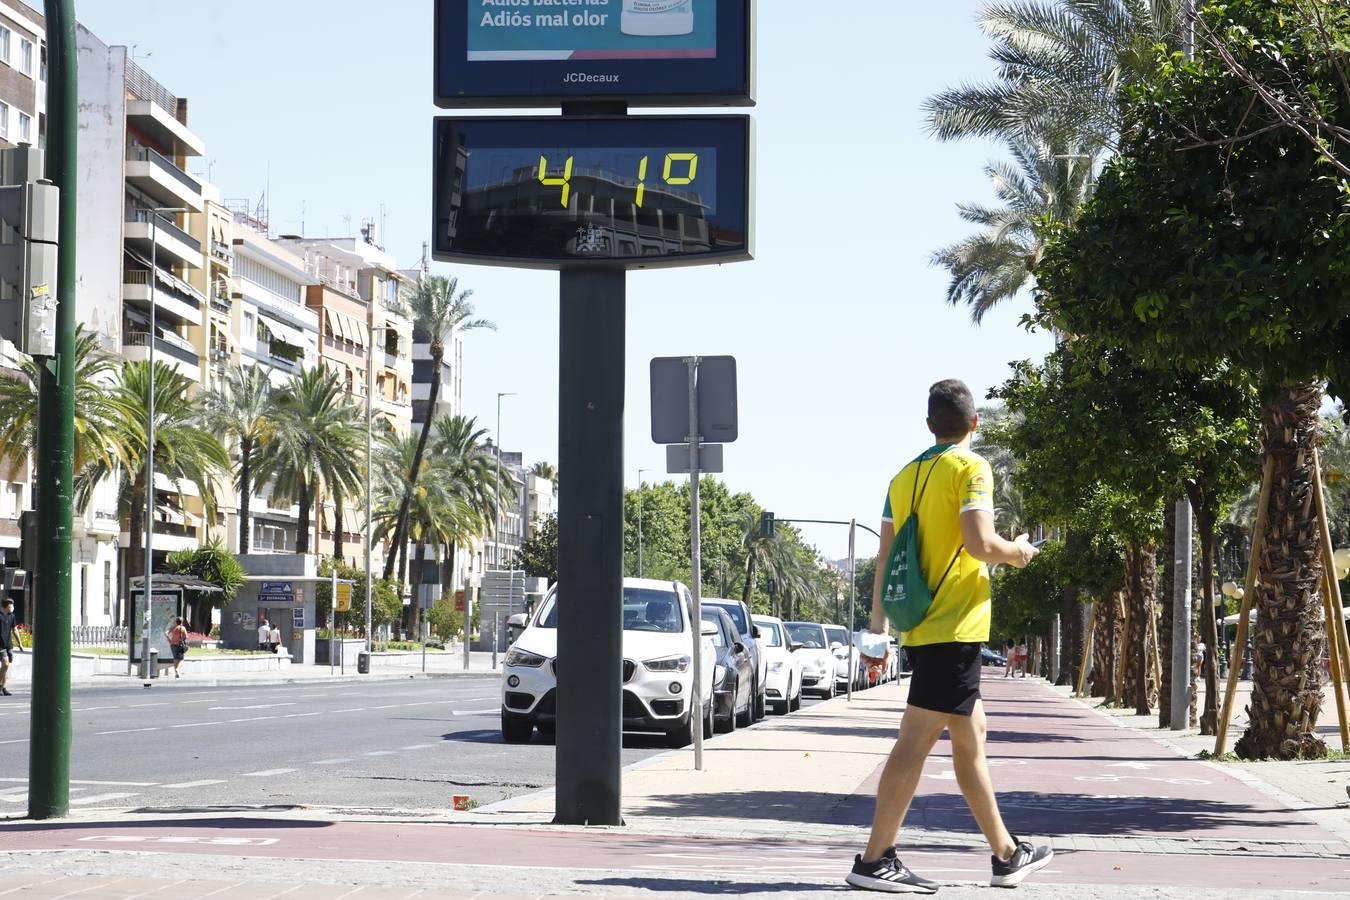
{"points": [[228, 681]]}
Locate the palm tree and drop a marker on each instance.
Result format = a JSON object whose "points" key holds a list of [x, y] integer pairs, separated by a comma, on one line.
{"points": [[315, 442], [96, 433], [1061, 65], [242, 410], [1040, 190], [458, 447], [184, 449], [438, 309], [546, 471]]}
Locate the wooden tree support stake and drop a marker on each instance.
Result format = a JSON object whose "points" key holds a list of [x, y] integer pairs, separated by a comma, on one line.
{"points": [[1331, 604], [1087, 650], [1157, 660], [1239, 651]]}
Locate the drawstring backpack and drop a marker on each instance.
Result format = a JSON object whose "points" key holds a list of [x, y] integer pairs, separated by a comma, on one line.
{"points": [[904, 592]]}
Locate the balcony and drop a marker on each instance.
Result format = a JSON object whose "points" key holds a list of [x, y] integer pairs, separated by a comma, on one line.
{"points": [[155, 113], [136, 348], [222, 252], [180, 247], [173, 298], [221, 300], [157, 175]]}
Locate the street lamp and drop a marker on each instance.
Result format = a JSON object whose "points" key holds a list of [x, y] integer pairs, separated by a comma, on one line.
{"points": [[147, 583], [370, 512], [639, 505], [497, 490]]}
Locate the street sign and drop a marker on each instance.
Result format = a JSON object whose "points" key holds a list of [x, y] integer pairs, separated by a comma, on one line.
{"points": [[277, 592], [298, 617], [165, 603], [491, 53], [619, 192], [343, 602], [459, 601], [709, 459], [717, 409]]}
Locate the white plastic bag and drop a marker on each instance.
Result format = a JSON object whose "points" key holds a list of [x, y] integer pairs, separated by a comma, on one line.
{"points": [[871, 645]]}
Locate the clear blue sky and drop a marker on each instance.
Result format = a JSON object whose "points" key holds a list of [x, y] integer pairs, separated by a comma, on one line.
{"points": [[839, 326]]}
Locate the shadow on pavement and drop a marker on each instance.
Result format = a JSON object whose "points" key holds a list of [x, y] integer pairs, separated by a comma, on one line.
{"points": [[693, 886], [1029, 737]]}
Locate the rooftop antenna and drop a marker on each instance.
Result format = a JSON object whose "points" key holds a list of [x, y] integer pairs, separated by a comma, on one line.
{"points": [[145, 55]]}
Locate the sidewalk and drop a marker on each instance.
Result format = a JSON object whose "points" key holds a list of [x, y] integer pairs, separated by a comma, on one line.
{"points": [[780, 811]]}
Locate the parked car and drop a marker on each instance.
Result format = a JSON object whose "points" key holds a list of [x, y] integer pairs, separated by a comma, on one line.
{"points": [[807, 642], [847, 663], [992, 658], [740, 616], [783, 670], [733, 702], [893, 661], [658, 672]]}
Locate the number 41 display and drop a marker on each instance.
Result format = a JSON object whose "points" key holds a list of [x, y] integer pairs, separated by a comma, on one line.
{"points": [[667, 174]]}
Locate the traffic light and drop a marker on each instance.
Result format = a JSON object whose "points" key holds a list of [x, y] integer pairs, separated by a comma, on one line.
{"points": [[766, 524], [29, 213]]}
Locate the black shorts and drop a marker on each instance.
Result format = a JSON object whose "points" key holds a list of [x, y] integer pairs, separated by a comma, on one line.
{"points": [[179, 651], [946, 677]]}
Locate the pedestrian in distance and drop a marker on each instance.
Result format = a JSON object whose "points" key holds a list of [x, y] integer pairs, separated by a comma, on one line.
{"points": [[950, 489], [274, 637], [177, 634], [264, 635], [1022, 658], [9, 639], [1009, 659]]}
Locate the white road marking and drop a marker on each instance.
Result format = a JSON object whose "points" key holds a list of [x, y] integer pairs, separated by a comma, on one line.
{"points": [[417, 746], [379, 753], [301, 715], [358, 709], [475, 712], [333, 762], [193, 784], [98, 798], [254, 706], [267, 773], [253, 719], [195, 724], [391, 706], [16, 741], [1131, 765], [125, 731], [115, 783]]}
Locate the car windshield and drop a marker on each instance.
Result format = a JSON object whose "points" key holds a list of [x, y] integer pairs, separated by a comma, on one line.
{"points": [[837, 634], [770, 634], [719, 639], [737, 613], [644, 609], [806, 634]]}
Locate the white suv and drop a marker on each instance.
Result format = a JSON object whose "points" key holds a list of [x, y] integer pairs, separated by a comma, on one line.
{"points": [[658, 671]]}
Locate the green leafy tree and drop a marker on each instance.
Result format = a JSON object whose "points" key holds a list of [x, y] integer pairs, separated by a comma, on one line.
{"points": [[438, 309], [1183, 257], [539, 553], [241, 409], [214, 565], [386, 604]]}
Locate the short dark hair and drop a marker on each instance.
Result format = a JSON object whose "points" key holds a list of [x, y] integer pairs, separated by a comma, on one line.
{"points": [[951, 409], [8, 601]]}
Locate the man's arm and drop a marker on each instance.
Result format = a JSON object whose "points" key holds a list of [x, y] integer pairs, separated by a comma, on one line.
{"points": [[879, 623], [984, 543]]}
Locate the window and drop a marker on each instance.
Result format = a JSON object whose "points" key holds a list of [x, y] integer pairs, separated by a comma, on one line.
{"points": [[107, 588], [4, 121], [4, 45], [26, 57], [84, 594], [268, 279], [25, 128], [42, 64]]}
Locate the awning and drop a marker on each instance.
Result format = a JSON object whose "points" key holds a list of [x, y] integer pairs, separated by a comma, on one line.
{"points": [[186, 582], [284, 333], [165, 483], [358, 330]]}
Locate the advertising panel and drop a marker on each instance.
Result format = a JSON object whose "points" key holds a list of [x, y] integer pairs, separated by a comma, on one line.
{"points": [[498, 53]]}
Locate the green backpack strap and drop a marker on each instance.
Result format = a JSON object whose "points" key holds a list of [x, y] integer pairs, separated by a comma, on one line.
{"points": [[906, 598]]}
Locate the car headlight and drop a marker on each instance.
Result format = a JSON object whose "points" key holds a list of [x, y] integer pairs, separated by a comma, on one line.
{"points": [[719, 673], [667, 664], [518, 657], [776, 666], [841, 654]]}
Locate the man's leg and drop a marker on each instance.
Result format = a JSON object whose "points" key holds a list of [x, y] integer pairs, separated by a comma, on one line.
{"points": [[972, 774], [4, 670], [919, 731]]}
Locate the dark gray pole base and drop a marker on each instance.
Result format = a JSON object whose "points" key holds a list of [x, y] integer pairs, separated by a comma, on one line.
{"points": [[590, 548]]}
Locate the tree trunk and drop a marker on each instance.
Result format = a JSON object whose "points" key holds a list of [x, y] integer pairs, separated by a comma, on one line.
{"points": [[1289, 638], [401, 524], [1209, 629], [750, 581], [1070, 640], [245, 492], [302, 529], [1165, 618], [415, 608], [135, 557], [337, 524], [1108, 638], [1141, 580]]}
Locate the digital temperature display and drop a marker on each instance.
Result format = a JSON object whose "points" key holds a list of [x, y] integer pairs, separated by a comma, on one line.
{"points": [[635, 191]]}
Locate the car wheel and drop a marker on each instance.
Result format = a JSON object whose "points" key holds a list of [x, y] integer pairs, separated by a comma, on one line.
{"points": [[785, 707], [516, 729], [747, 718], [728, 725], [709, 726], [759, 700], [829, 692], [683, 735], [795, 703]]}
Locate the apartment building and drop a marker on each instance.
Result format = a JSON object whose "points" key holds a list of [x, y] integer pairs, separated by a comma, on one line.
{"points": [[23, 75]]}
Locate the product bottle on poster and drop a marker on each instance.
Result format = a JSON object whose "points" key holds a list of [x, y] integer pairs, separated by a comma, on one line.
{"points": [[657, 18]]}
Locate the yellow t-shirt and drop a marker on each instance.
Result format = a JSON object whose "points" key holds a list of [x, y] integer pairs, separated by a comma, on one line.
{"points": [[957, 480]]}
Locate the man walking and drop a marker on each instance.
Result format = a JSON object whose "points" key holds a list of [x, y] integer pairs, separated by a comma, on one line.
{"points": [[9, 636], [951, 490], [264, 635]]}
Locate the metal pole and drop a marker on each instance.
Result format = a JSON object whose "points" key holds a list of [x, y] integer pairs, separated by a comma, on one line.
{"points": [[1181, 620], [468, 622], [332, 617], [370, 511], [852, 604], [590, 547], [147, 582], [639, 506], [696, 561], [49, 748], [497, 529]]}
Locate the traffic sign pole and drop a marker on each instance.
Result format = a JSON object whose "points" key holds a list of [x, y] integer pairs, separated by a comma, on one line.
{"points": [[696, 569], [49, 747], [590, 547]]}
